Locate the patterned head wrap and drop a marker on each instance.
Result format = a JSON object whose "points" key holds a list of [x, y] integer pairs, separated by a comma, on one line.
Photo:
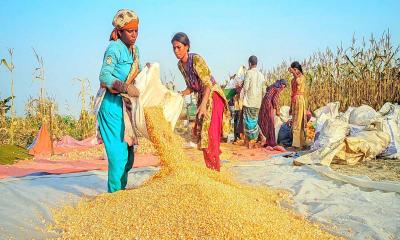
{"points": [[280, 82], [125, 19]]}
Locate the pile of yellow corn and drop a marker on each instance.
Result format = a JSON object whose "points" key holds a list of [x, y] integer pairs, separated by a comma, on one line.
{"points": [[145, 147], [184, 200], [90, 153]]}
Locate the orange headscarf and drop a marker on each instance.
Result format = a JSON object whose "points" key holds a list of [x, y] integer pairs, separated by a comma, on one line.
{"points": [[125, 19]]}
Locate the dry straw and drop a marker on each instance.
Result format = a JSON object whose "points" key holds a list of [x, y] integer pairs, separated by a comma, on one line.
{"points": [[10, 67]]}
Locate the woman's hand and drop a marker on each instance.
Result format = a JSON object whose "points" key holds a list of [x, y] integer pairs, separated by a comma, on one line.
{"points": [[201, 111], [185, 92], [132, 91], [102, 85]]}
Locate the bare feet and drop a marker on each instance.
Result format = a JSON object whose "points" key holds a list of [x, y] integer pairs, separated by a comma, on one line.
{"points": [[269, 148], [263, 141], [246, 142], [279, 148], [251, 144], [239, 142]]}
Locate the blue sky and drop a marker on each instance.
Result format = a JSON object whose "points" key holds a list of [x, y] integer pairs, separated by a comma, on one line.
{"points": [[72, 36]]}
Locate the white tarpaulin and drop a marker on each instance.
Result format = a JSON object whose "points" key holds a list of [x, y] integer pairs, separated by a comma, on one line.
{"points": [[25, 202], [347, 206], [357, 209]]}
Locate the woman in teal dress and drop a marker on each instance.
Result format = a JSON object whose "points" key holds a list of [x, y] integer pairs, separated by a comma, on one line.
{"points": [[120, 57]]}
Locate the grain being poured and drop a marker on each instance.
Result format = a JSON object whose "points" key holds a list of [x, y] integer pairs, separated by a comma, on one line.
{"points": [[184, 200]]}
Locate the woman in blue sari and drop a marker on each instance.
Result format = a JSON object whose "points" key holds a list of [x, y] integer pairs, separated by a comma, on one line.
{"points": [[120, 60]]}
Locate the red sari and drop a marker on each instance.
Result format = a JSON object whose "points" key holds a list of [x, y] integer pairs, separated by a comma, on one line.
{"points": [[208, 129], [211, 154]]}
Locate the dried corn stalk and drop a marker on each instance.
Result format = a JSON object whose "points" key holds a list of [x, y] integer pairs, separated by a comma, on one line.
{"points": [[360, 74]]}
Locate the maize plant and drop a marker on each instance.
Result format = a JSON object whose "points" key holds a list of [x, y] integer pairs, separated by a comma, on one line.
{"points": [[366, 72]]}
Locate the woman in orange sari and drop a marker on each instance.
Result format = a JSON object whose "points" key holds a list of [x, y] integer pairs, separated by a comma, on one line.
{"points": [[212, 107], [298, 106]]}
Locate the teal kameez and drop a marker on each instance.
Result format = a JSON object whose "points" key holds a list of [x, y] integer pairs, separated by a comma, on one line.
{"points": [[116, 66]]}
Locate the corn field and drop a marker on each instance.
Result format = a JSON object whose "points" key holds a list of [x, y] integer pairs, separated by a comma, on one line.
{"points": [[36, 112], [364, 73], [43, 109]]}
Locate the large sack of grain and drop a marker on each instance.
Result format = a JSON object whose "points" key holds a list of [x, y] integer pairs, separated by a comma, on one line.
{"points": [[346, 115], [154, 93], [391, 117], [363, 116], [363, 146], [332, 109], [329, 111], [333, 130]]}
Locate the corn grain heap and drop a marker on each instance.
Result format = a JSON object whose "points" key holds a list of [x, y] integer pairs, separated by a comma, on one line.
{"points": [[145, 147], [184, 200]]}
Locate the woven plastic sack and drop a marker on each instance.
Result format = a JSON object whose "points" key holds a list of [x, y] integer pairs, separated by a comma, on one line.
{"points": [[284, 111], [346, 115], [391, 115], [333, 130], [332, 109], [363, 115], [154, 93], [329, 111]]}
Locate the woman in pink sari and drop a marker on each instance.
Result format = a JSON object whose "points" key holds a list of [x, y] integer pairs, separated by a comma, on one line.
{"points": [[212, 108]]}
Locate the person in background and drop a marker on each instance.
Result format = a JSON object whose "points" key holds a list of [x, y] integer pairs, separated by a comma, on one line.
{"points": [[231, 104], [212, 107], [121, 59], [253, 92], [238, 105], [269, 108], [238, 118], [298, 105]]}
